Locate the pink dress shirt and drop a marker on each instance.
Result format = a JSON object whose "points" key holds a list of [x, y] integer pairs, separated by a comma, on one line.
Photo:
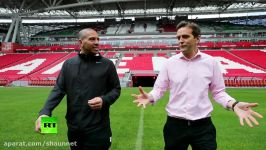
{"points": [[189, 81]]}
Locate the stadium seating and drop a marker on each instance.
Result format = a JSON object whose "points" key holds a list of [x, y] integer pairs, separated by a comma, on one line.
{"points": [[52, 70], [11, 58], [249, 55], [3, 82], [139, 63], [245, 83], [29, 65], [235, 66], [42, 69], [110, 54]]}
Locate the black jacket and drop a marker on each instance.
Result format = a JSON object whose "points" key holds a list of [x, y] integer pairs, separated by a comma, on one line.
{"points": [[82, 78]]}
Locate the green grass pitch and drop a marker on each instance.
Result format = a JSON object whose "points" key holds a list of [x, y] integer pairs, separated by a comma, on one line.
{"points": [[19, 108]]}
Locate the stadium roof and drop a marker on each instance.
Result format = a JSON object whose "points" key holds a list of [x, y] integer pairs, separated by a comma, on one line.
{"points": [[43, 9]]}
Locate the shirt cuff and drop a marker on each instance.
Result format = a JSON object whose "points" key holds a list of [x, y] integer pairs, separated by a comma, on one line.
{"points": [[151, 98], [229, 104]]}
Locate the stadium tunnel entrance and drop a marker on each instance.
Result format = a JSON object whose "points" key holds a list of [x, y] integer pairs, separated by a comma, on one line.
{"points": [[144, 80]]}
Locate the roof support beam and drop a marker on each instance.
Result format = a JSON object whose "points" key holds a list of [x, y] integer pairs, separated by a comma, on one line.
{"points": [[11, 27], [76, 5], [54, 2], [145, 7], [170, 6], [72, 14], [45, 3], [120, 10], [16, 31], [22, 5], [59, 2]]}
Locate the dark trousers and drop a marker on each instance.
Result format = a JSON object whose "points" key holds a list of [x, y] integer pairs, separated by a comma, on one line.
{"points": [[180, 133], [83, 141]]}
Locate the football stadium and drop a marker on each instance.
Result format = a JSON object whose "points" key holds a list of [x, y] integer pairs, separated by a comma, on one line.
{"points": [[138, 36]]}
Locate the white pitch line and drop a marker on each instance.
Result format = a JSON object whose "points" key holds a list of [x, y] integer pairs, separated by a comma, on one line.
{"points": [[138, 145]]}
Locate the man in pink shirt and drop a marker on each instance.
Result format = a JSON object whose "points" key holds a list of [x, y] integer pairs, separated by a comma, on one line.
{"points": [[189, 76]]}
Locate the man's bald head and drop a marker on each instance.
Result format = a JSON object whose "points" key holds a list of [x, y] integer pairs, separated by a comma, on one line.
{"points": [[84, 32]]}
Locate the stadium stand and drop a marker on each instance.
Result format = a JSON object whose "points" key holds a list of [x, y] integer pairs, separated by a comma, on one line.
{"points": [[248, 55], [240, 67], [29, 65], [11, 58]]}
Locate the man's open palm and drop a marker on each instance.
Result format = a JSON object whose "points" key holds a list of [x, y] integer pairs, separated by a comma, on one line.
{"points": [[245, 113], [142, 98]]}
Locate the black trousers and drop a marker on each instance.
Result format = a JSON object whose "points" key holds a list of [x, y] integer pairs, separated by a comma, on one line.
{"points": [[180, 133], [84, 141]]}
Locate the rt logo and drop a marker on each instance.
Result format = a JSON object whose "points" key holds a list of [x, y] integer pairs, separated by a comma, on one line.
{"points": [[48, 125]]}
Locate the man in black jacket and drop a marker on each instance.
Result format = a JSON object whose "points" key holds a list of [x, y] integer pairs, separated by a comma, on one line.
{"points": [[91, 84]]}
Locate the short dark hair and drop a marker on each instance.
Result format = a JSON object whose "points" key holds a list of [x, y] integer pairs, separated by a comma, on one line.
{"points": [[195, 28]]}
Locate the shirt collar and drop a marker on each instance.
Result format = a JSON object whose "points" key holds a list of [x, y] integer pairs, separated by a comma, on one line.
{"points": [[181, 56]]}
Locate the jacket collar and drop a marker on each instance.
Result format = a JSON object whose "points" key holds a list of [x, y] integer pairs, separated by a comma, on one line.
{"points": [[89, 56]]}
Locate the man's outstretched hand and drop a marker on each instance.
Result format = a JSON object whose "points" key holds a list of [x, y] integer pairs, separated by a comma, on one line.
{"points": [[244, 112], [143, 99]]}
